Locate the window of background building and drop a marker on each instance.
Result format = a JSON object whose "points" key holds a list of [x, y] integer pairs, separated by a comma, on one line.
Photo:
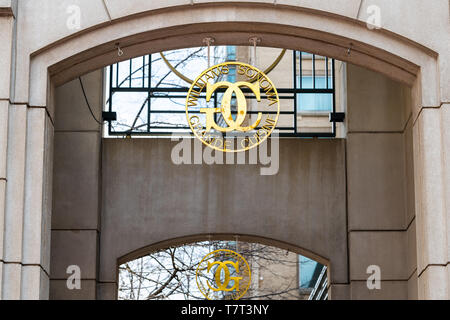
{"points": [[309, 272], [315, 102]]}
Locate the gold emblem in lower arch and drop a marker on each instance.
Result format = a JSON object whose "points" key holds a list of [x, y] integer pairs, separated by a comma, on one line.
{"points": [[228, 262], [223, 285]]}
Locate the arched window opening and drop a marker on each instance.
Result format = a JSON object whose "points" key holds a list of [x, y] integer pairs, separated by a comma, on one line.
{"points": [[148, 93]]}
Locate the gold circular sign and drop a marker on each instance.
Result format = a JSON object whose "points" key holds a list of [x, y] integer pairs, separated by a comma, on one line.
{"points": [[223, 274], [232, 128]]}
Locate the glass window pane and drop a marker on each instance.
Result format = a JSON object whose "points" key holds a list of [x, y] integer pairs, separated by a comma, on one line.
{"points": [[165, 102], [315, 102], [307, 70], [307, 82], [132, 111], [330, 73], [137, 72], [189, 62], [114, 75], [124, 74], [231, 53], [171, 120], [231, 76], [321, 82], [309, 271]]}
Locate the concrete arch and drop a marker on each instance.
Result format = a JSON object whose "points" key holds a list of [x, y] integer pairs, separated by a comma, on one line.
{"points": [[281, 26]]}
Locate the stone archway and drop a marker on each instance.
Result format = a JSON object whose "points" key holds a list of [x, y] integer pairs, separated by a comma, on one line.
{"points": [[60, 55]]}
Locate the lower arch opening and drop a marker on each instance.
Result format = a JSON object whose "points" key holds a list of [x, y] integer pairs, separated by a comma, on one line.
{"points": [[222, 270]]}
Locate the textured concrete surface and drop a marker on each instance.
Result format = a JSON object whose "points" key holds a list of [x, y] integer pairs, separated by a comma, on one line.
{"points": [[72, 113], [59, 291], [375, 103], [385, 249], [74, 248], [147, 199], [76, 186], [390, 290], [380, 184], [376, 181]]}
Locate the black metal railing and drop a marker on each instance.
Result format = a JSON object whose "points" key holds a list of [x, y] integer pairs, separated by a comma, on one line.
{"points": [[161, 108]]}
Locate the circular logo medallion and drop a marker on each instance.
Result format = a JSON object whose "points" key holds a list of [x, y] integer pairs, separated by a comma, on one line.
{"points": [[223, 274], [237, 115]]}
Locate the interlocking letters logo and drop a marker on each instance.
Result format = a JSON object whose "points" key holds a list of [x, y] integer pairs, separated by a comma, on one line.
{"points": [[226, 106], [223, 274], [210, 124]]}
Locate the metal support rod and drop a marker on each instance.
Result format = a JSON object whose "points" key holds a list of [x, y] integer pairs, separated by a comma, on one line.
{"points": [[208, 41], [296, 86], [254, 41]]}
